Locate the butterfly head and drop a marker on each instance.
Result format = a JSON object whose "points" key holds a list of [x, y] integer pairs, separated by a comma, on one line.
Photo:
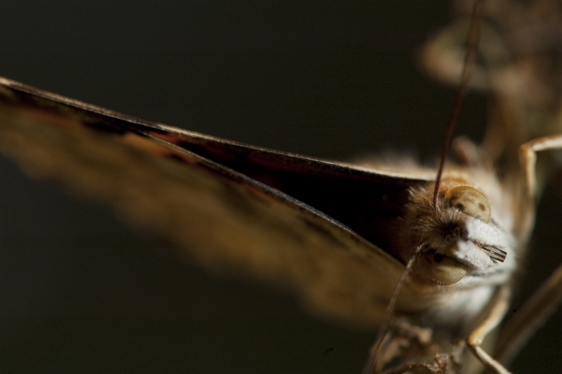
{"points": [[455, 236]]}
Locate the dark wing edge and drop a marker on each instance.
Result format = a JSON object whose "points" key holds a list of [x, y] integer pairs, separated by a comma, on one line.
{"points": [[90, 114], [217, 216]]}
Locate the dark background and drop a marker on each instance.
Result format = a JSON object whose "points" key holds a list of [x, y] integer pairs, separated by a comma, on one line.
{"points": [[81, 293]]}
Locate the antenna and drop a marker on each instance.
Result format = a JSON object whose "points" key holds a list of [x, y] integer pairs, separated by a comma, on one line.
{"points": [[471, 44], [385, 326]]}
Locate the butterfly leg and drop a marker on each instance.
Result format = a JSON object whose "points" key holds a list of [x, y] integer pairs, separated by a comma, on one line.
{"points": [[549, 295], [527, 160], [495, 316], [530, 317]]}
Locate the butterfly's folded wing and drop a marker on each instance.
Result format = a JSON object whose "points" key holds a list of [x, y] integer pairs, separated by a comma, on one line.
{"points": [[218, 216]]}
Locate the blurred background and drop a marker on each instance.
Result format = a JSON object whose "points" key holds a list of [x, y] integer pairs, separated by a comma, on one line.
{"points": [[80, 292]]}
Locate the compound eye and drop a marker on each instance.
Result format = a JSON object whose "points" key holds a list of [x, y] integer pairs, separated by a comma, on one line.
{"points": [[440, 269], [470, 201]]}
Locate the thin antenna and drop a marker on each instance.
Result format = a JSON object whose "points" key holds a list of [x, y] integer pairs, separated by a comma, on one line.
{"points": [[385, 326], [471, 44]]}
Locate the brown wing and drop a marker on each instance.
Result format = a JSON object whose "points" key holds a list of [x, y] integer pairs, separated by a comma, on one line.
{"points": [[225, 204]]}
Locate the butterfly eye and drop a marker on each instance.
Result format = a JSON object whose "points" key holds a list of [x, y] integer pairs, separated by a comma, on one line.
{"points": [[470, 201], [440, 269]]}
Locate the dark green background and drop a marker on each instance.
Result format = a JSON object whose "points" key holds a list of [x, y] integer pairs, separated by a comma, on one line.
{"points": [[82, 293]]}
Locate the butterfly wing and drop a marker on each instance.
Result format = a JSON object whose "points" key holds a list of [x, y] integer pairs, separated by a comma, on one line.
{"points": [[226, 205]]}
